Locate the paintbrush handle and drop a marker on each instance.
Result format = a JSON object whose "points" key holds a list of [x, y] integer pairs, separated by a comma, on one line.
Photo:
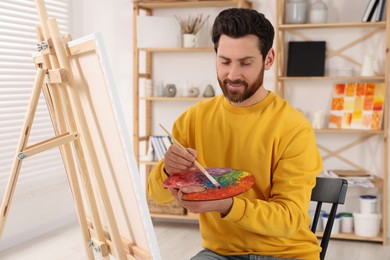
{"points": [[203, 170]]}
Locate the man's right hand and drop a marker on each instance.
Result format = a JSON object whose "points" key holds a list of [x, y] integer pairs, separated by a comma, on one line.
{"points": [[177, 160]]}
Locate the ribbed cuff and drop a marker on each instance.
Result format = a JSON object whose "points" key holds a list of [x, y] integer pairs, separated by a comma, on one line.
{"points": [[237, 210]]}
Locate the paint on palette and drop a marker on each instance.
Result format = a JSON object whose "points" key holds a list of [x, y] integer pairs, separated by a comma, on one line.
{"points": [[233, 182]]}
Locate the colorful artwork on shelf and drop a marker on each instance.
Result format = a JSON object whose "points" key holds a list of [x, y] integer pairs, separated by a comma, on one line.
{"points": [[357, 105], [233, 182]]}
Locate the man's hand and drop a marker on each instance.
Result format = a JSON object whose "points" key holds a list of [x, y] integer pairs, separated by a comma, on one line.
{"points": [[176, 160], [222, 206]]}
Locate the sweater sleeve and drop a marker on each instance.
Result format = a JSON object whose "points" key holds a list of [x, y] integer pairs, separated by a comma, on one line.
{"points": [[292, 181], [156, 191]]}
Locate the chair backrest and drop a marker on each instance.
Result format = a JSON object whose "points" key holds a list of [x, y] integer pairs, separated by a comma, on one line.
{"points": [[327, 190]]}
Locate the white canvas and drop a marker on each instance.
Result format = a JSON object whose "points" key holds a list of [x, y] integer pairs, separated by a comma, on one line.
{"points": [[111, 141]]}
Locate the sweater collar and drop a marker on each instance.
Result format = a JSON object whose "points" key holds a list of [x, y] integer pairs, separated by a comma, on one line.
{"points": [[254, 108]]}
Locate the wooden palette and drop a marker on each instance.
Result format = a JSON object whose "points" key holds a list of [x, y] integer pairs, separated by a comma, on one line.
{"points": [[233, 182]]}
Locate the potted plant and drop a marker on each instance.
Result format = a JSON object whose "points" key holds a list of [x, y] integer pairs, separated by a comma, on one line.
{"points": [[190, 27]]}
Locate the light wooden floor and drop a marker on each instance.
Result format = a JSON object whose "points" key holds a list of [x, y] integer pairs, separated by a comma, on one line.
{"points": [[177, 241]]}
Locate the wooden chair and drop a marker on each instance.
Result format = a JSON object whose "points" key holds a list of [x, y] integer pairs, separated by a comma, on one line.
{"points": [[327, 190]]}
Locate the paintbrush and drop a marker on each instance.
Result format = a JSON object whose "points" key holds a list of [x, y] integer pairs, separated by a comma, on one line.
{"points": [[203, 170]]}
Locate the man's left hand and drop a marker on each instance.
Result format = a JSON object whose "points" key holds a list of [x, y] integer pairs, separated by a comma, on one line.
{"points": [[222, 206]]}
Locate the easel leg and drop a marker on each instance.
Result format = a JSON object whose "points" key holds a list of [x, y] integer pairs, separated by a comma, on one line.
{"points": [[16, 165], [74, 97], [67, 115], [54, 105]]}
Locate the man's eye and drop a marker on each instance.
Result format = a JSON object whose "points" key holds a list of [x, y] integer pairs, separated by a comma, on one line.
{"points": [[245, 64]]}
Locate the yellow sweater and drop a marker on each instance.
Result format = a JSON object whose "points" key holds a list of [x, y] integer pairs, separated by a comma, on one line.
{"points": [[277, 145]]}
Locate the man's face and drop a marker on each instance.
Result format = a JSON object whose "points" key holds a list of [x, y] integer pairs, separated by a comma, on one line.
{"points": [[240, 67]]}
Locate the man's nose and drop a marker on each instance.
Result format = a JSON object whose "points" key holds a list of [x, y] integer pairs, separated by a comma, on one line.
{"points": [[234, 72]]}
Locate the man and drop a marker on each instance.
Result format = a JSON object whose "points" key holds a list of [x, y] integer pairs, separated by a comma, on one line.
{"points": [[247, 128]]}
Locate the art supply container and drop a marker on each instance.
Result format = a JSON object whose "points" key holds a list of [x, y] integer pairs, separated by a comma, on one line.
{"points": [[189, 40], [346, 222], [336, 223], [319, 223], [369, 65], [296, 11], [368, 204], [318, 12], [367, 225]]}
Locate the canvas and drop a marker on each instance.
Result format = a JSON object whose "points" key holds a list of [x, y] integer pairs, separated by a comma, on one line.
{"points": [[111, 142], [357, 105], [95, 146]]}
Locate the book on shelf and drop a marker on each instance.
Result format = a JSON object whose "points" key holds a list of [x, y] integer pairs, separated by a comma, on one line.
{"points": [[160, 145], [166, 141], [380, 10], [157, 151], [357, 105], [370, 10]]}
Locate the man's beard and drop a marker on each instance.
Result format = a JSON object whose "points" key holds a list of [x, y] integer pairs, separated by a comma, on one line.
{"points": [[238, 96]]}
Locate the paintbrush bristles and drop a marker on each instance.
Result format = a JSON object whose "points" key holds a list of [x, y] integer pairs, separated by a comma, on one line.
{"points": [[201, 168]]}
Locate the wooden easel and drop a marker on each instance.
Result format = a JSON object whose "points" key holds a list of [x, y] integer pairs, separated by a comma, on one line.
{"points": [[54, 77]]}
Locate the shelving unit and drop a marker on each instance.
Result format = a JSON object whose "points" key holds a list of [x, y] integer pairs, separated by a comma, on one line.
{"points": [[141, 140], [283, 82]]}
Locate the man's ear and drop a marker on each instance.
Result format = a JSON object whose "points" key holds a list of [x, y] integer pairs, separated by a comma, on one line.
{"points": [[269, 59]]}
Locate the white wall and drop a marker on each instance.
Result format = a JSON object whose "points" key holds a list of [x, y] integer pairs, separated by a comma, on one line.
{"points": [[113, 20]]}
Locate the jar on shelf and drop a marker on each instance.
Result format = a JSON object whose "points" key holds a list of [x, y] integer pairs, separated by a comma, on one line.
{"points": [[296, 11], [318, 12]]}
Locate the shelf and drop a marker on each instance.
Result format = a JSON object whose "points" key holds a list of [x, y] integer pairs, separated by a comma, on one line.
{"points": [[378, 182], [353, 237], [186, 4], [334, 78], [177, 49], [173, 98], [332, 25], [349, 131], [359, 35]]}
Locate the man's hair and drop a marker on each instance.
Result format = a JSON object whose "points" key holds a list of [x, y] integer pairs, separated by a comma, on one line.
{"points": [[239, 22]]}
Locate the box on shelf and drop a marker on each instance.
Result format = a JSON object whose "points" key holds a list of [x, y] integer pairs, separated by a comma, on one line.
{"points": [[306, 58], [158, 32], [367, 225]]}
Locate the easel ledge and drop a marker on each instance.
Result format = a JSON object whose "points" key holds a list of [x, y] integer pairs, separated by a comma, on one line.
{"points": [[130, 248]]}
